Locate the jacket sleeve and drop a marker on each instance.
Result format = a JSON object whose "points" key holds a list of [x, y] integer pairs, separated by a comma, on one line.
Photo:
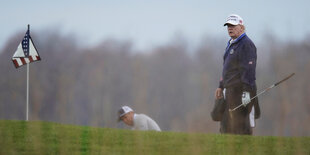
{"points": [[247, 63]]}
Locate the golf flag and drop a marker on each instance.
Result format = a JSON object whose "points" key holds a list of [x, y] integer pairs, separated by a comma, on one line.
{"points": [[26, 51]]}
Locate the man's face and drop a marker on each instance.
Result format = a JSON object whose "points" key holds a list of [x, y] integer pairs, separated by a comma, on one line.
{"points": [[128, 118], [234, 31]]}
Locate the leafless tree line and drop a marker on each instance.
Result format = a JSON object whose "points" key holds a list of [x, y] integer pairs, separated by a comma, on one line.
{"points": [[172, 83]]}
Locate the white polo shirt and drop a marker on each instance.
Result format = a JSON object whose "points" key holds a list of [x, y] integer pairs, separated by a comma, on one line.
{"points": [[144, 122]]}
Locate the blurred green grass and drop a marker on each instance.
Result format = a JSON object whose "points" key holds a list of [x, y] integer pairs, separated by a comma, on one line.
{"points": [[35, 137]]}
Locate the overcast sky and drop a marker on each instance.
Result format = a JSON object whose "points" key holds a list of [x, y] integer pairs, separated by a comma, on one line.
{"points": [[153, 22]]}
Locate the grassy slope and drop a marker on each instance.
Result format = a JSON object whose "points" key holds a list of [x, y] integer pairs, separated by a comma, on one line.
{"points": [[20, 137]]}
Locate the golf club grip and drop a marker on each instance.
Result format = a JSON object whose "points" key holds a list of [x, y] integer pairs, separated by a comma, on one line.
{"points": [[284, 79]]}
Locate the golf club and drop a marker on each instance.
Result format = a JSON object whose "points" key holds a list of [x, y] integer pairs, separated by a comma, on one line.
{"points": [[264, 91]]}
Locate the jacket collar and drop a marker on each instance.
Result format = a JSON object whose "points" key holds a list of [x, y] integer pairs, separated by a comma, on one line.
{"points": [[233, 42], [236, 40]]}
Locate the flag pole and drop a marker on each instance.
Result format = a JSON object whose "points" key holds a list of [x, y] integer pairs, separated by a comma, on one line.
{"points": [[27, 92], [27, 98], [25, 54]]}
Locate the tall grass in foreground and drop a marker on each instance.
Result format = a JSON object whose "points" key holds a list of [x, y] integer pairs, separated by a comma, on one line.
{"points": [[20, 137]]}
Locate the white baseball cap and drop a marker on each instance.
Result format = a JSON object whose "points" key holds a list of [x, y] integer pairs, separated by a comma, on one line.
{"points": [[124, 110], [234, 19]]}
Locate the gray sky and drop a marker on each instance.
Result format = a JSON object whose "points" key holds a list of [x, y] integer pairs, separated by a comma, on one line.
{"points": [[153, 22]]}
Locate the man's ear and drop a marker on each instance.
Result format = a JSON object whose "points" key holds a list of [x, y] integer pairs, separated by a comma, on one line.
{"points": [[242, 27]]}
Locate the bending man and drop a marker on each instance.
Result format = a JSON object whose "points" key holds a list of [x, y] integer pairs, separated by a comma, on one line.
{"points": [[137, 121]]}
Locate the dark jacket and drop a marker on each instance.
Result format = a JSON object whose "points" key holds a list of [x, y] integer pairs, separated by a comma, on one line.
{"points": [[239, 64]]}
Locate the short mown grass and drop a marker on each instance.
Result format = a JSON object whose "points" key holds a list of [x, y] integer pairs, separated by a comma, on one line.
{"points": [[21, 137]]}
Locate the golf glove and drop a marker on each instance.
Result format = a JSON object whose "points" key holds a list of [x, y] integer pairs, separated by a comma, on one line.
{"points": [[246, 98]]}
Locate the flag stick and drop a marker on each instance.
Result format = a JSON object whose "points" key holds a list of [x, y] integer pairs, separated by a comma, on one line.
{"points": [[27, 92], [25, 54], [27, 98]]}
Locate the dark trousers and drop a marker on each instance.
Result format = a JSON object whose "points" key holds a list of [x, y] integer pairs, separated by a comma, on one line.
{"points": [[237, 122]]}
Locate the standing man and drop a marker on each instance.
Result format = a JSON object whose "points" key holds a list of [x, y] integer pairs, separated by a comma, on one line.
{"points": [[238, 79], [136, 121]]}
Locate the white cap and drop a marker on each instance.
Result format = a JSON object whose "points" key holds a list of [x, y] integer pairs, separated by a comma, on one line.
{"points": [[234, 19], [124, 110]]}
